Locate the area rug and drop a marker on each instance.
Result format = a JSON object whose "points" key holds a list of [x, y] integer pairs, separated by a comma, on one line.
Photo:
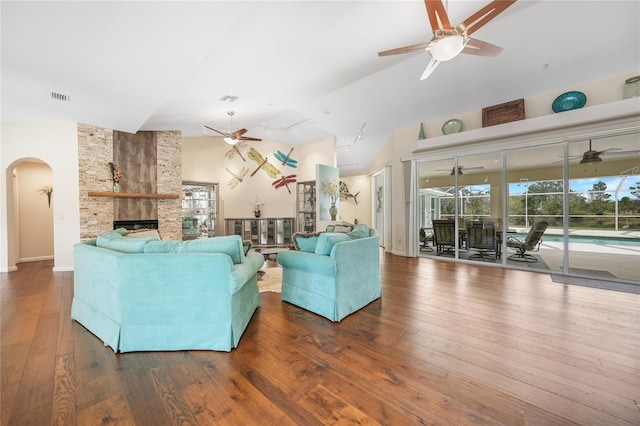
{"points": [[596, 283], [271, 280]]}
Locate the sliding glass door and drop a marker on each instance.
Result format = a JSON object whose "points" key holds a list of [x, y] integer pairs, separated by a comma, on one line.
{"points": [[535, 200], [604, 207], [567, 207], [454, 192]]}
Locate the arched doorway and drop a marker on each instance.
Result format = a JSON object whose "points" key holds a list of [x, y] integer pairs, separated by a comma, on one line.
{"points": [[29, 211]]}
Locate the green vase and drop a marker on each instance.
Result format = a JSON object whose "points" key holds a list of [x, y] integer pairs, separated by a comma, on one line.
{"points": [[333, 211], [421, 135]]}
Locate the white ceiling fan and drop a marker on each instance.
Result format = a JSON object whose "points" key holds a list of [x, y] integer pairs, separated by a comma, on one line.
{"points": [[448, 42]]}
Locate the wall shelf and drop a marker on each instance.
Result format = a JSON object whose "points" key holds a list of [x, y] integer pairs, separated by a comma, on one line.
{"points": [[130, 195]]}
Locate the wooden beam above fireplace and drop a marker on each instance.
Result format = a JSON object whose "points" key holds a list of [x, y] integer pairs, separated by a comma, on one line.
{"points": [[130, 195]]}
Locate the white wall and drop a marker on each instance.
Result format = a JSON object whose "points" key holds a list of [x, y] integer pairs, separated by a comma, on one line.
{"points": [[57, 145], [349, 210]]}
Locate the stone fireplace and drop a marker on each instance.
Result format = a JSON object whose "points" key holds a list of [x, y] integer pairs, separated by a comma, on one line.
{"points": [[151, 163]]}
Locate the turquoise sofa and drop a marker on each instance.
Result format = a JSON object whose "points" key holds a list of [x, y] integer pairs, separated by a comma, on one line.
{"points": [[138, 294], [333, 274]]}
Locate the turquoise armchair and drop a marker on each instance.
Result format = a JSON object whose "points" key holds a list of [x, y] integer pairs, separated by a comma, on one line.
{"points": [[339, 277]]}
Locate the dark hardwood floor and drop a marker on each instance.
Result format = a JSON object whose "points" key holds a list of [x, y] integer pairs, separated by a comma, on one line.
{"points": [[448, 343]]}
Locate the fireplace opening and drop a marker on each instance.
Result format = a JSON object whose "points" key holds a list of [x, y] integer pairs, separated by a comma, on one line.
{"points": [[136, 224]]}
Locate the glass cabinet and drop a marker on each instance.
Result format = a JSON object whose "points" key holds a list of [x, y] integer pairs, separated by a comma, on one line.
{"points": [[306, 206], [274, 232], [199, 209]]}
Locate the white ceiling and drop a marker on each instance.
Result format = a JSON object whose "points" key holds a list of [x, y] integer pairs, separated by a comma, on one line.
{"points": [[301, 70]]}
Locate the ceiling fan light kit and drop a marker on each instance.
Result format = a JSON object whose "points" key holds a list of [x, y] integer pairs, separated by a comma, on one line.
{"points": [[589, 158], [448, 48], [232, 137]]}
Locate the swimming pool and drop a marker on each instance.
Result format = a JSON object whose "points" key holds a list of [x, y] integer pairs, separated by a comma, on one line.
{"points": [[589, 239]]}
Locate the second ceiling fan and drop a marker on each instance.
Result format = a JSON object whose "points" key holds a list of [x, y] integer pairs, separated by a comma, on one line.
{"points": [[233, 137], [592, 156], [448, 42]]}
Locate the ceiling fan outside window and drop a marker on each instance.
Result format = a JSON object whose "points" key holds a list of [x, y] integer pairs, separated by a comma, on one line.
{"points": [[591, 156], [233, 137], [448, 42], [460, 170]]}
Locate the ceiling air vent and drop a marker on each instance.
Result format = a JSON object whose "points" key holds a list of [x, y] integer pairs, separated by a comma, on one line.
{"points": [[228, 98], [60, 97]]}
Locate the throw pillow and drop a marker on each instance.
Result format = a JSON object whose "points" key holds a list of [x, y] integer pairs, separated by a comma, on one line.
{"points": [[327, 240], [144, 233], [342, 228], [115, 241], [359, 231], [305, 242], [229, 244]]}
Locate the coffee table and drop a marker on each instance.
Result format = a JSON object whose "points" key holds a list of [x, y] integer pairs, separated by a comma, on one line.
{"points": [[269, 253]]}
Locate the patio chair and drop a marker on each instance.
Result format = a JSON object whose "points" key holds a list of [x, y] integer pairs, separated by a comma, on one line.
{"points": [[530, 244], [426, 235], [444, 235], [482, 237]]}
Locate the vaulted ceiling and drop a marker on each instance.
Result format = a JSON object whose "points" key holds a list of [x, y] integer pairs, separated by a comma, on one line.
{"points": [[301, 70]]}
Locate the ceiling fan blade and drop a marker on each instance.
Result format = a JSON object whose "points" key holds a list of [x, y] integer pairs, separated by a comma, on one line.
{"points": [[481, 48], [406, 49], [239, 133], [217, 131], [610, 152], [437, 15], [484, 15], [431, 66], [247, 138]]}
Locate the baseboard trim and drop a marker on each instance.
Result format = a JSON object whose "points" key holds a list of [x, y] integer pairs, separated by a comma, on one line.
{"points": [[35, 259]]}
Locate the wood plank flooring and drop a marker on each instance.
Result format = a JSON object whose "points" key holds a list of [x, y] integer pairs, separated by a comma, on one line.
{"points": [[448, 344]]}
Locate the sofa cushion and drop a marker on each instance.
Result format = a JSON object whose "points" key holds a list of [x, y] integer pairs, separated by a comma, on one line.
{"points": [[359, 231], [167, 246], [115, 241], [327, 240], [230, 245]]}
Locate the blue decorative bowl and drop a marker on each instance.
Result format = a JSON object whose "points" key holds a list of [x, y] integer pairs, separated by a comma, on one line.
{"points": [[568, 101]]}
